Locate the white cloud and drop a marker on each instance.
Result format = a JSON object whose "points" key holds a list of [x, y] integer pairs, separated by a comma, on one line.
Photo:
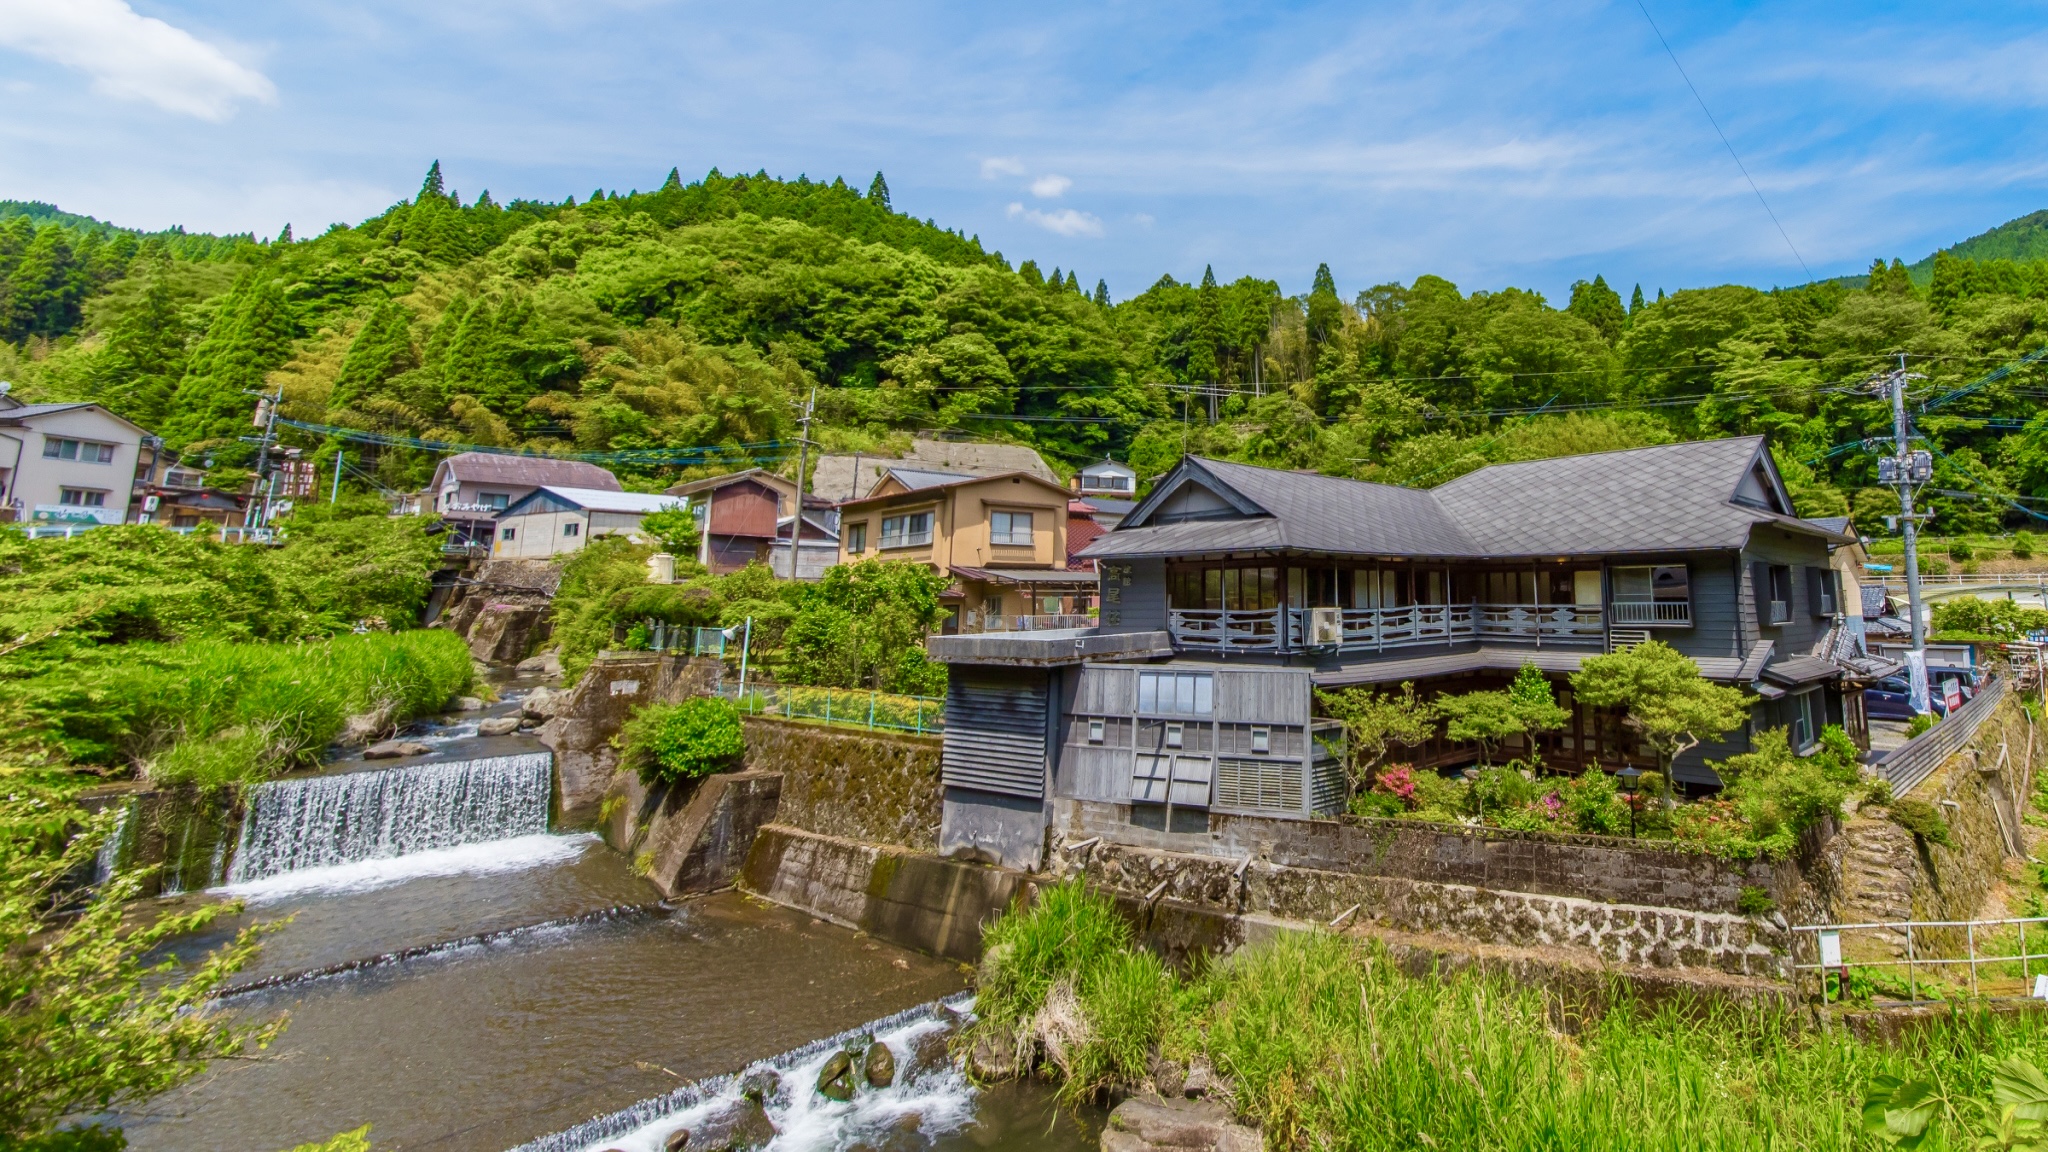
{"points": [[996, 166], [1050, 186], [132, 57], [1065, 222]]}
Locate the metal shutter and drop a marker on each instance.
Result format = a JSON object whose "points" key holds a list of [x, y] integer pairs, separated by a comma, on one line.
{"points": [[995, 733], [1259, 785]]}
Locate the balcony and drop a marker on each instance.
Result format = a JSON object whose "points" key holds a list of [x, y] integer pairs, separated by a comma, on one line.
{"points": [[1035, 623], [1653, 613], [1382, 629]]}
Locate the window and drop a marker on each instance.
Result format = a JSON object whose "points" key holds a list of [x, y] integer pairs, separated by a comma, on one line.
{"points": [[857, 538], [907, 531], [82, 497], [509, 534], [569, 529], [1803, 721], [495, 501], [1176, 735], [1779, 582], [1821, 590], [1096, 726], [993, 605], [1010, 528], [1176, 693], [1106, 483], [84, 451], [1262, 739]]}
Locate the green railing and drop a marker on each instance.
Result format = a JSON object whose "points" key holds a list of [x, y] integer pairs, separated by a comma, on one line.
{"points": [[852, 708]]}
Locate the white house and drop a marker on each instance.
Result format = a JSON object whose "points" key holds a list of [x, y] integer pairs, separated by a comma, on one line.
{"points": [[66, 463], [470, 489], [1110, 490], [552, 520]]}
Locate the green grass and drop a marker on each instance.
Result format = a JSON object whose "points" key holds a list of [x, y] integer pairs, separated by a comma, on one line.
{"points": [[213, 712], [1331, 1046]]}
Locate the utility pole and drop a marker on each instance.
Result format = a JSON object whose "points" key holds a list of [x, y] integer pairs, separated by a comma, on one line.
{"points": [[335, 494], [803, 463], [266, 419], [1906, 470]]}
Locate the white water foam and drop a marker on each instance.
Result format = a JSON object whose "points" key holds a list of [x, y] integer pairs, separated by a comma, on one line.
{"points": [[941, 1099], [511, 855], [324, 821]]}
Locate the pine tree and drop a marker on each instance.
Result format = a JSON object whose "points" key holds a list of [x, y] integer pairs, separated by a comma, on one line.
{"points": [[381, 350], [1635, 301], [144, 357], [1102, 293], [878, 193], [431, 187], [1207, 330], [1032, 276], [675, 179], [285, 236], [1598, 305], [1073, 283], [46, 289], [250, 335], [1325, 311]]}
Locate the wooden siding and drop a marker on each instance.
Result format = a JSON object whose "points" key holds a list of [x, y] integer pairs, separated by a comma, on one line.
{"points": [[1262, 696], [996, 727], [1132, 595], [1716, 609], [748, 508], [1799, 633]]}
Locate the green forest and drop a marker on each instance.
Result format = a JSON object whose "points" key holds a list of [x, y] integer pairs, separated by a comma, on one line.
{"points": [[680, 330]]}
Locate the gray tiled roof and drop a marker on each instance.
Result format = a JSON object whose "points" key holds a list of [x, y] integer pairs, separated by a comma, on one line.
{"points": [[506, 468], [27, 411], [917, 478], [1669, 498]]}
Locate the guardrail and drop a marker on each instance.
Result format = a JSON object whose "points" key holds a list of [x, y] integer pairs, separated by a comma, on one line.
{"points": [[1916, 759], [848, 707], [1989, 952]]}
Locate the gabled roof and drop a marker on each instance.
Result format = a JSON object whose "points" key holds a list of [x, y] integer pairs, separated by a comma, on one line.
{"points": [[20, 412], [919, 478], [922, 481], [523, 471], [593, 500], [1706, 495], [1703, 494], [781, 484]]}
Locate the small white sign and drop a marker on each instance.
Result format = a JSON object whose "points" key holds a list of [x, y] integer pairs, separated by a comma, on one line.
{"points": [[1831, 949], [2041, 987], [625, 687]]}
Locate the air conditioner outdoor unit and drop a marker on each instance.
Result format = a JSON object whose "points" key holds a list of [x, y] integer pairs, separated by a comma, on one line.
{"points": [[1325, 626]]}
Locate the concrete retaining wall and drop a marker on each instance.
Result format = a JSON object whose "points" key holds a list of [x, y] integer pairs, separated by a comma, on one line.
{"points": [[879, 787], [907, 898]]}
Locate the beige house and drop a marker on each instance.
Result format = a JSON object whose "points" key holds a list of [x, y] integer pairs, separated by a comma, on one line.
{"points": [[66, 464], [1002, 538]]}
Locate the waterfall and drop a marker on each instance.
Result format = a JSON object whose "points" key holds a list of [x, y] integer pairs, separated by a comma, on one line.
{"points": [[327, 820]]}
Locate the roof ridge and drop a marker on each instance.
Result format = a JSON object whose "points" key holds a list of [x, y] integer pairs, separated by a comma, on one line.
{"points": [[1755, 436]]}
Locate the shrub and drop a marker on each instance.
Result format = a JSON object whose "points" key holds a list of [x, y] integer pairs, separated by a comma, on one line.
{"points": [[1923, 820], [1959, 550], [1921, 722], [667, 743], [1592, 802], [2023, 545], [1066, 930], [1754, 900], [1376, 803]]}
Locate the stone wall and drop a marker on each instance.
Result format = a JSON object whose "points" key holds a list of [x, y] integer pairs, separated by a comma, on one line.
{"points": [[581, 731], [504, 610], [1622, 933], [879, 787], [1600, 869]]}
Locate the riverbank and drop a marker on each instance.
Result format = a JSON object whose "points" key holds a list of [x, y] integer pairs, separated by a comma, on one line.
{"points": [[1323, 1041]]}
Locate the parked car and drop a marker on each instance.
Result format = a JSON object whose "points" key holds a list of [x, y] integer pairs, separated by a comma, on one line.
{"points": [[1891, 698]]}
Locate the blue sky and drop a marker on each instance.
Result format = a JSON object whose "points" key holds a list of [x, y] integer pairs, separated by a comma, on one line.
{"points": [[1492, 143]]}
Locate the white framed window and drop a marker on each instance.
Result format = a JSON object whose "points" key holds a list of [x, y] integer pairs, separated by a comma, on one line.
{"points": [[1176, 693], [509, 534], [1262, 739], [83, 451], [857, 538], [82, 497], [569, 529], [907, 531], [1096, 729], [1009, 528], [495, 501], [1176, 735]]}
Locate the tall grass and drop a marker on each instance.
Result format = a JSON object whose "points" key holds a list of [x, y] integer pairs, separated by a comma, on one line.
{"points": [[1330, 1046], [217, 712]]}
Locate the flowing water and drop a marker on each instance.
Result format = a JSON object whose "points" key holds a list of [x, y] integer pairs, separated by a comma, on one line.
{"points": [[351, 817]]}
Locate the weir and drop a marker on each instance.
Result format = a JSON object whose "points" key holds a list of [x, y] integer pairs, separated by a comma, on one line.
{"points": [[323, 821]]}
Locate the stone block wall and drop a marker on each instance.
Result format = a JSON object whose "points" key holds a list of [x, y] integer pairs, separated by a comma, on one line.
{"points": [[580, 734], [1601, 869], [882, 788]]}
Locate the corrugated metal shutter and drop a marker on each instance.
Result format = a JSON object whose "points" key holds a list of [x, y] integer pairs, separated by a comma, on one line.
{"points": [[995, 733]]}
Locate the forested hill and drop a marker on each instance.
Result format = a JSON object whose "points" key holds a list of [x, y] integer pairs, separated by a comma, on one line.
{"points": [[702, 314]]}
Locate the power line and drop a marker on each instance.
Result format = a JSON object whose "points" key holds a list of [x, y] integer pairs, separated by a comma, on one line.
{"points": [[771, 449], [1724, 139]]}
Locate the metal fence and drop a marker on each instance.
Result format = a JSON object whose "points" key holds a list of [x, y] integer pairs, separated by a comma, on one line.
{"points": [[2000, 957], [874, 711], [1917, 758]]}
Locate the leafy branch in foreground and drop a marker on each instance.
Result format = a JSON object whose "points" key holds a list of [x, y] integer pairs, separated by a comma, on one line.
{"points": [[90, 1019]]}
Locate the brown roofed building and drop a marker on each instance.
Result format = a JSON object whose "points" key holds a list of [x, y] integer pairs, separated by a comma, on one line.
{"points": [[470, 489]]}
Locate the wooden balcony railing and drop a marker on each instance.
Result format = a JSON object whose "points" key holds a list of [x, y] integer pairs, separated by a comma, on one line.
{"points": [[1380, 629], [1035, 623]]}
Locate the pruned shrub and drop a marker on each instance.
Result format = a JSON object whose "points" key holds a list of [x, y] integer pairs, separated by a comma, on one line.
{"points": [[667, 743]]}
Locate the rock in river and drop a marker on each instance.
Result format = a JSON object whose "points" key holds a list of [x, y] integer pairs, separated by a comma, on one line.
{"points": [[760, 1085], [392, 749], [741, 1126], [467, 704], [498, 726], [835, 1079], [880, 1065], [1150, 1124]]}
